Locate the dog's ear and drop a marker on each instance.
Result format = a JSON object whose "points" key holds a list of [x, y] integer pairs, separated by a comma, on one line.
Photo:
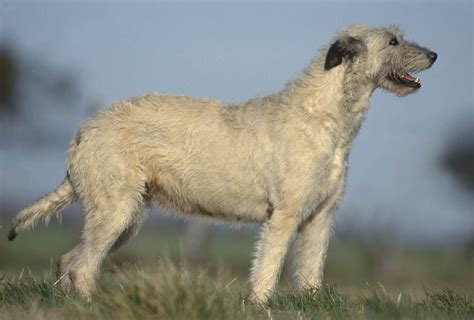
{"points": [[347, 47]]}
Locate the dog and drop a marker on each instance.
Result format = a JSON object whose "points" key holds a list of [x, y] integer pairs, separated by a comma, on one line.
{"points": [[280, 160]]}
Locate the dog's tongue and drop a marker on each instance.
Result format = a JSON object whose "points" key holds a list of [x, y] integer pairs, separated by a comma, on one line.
{"points": [[408, 77]]}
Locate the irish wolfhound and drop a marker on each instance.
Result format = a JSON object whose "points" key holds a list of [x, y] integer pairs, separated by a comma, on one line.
{"points": [[280, 160]]}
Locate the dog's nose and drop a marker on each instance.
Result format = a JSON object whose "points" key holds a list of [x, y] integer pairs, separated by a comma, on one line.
{"points": [[433, 56]]}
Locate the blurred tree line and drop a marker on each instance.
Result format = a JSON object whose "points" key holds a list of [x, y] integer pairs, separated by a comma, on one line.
{"points": [[7, 80], [458, 156], [458, 160], [32, 91]]}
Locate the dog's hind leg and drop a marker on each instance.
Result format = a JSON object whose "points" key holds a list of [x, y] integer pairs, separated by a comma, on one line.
{"points": [[108, 219], [64, 263], [140, 214], [62, 272]]}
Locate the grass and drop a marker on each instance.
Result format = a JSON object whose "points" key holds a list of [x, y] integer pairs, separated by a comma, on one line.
{"points": [[363, 281], [167, 291]]}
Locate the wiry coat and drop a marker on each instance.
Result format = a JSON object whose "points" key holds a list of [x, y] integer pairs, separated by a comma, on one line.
{"points": [[280, 160]]}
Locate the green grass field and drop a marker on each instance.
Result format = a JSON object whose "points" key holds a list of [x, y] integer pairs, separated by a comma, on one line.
{"points": [[148, 279]]}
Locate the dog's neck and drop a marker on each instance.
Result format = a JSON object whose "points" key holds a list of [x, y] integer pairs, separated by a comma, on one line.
{"points": [[357, 91], [342, 92]]}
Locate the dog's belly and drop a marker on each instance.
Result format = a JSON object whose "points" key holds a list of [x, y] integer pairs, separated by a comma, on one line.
{"points": [[228, 206], [226, 197]]}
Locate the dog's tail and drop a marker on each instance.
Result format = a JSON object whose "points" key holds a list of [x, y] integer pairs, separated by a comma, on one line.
{"points": [[43, 208]]}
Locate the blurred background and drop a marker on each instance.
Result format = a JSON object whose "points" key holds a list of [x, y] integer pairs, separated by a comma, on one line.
{"points": [[408, 214]]}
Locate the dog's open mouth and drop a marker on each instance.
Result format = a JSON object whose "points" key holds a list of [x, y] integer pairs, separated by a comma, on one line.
{"points": [[405, 79]]}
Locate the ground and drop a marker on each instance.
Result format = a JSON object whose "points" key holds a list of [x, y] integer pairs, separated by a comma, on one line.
{"points": [[148, 279]]}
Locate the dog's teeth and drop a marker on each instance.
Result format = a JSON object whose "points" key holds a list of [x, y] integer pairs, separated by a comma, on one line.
{"points": [[417, 80]]}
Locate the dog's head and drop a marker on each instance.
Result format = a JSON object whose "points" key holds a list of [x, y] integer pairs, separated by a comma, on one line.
{"points": [[381, 56]]}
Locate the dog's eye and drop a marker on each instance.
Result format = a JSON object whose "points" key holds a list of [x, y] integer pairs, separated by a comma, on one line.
{"points": [[393, 42]]}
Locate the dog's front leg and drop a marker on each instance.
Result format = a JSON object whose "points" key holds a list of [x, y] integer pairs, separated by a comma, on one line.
{"points": [[312, 242], [275, 236]]}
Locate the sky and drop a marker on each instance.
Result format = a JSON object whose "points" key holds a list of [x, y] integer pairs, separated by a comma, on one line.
{"points": [[237, 50]]}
